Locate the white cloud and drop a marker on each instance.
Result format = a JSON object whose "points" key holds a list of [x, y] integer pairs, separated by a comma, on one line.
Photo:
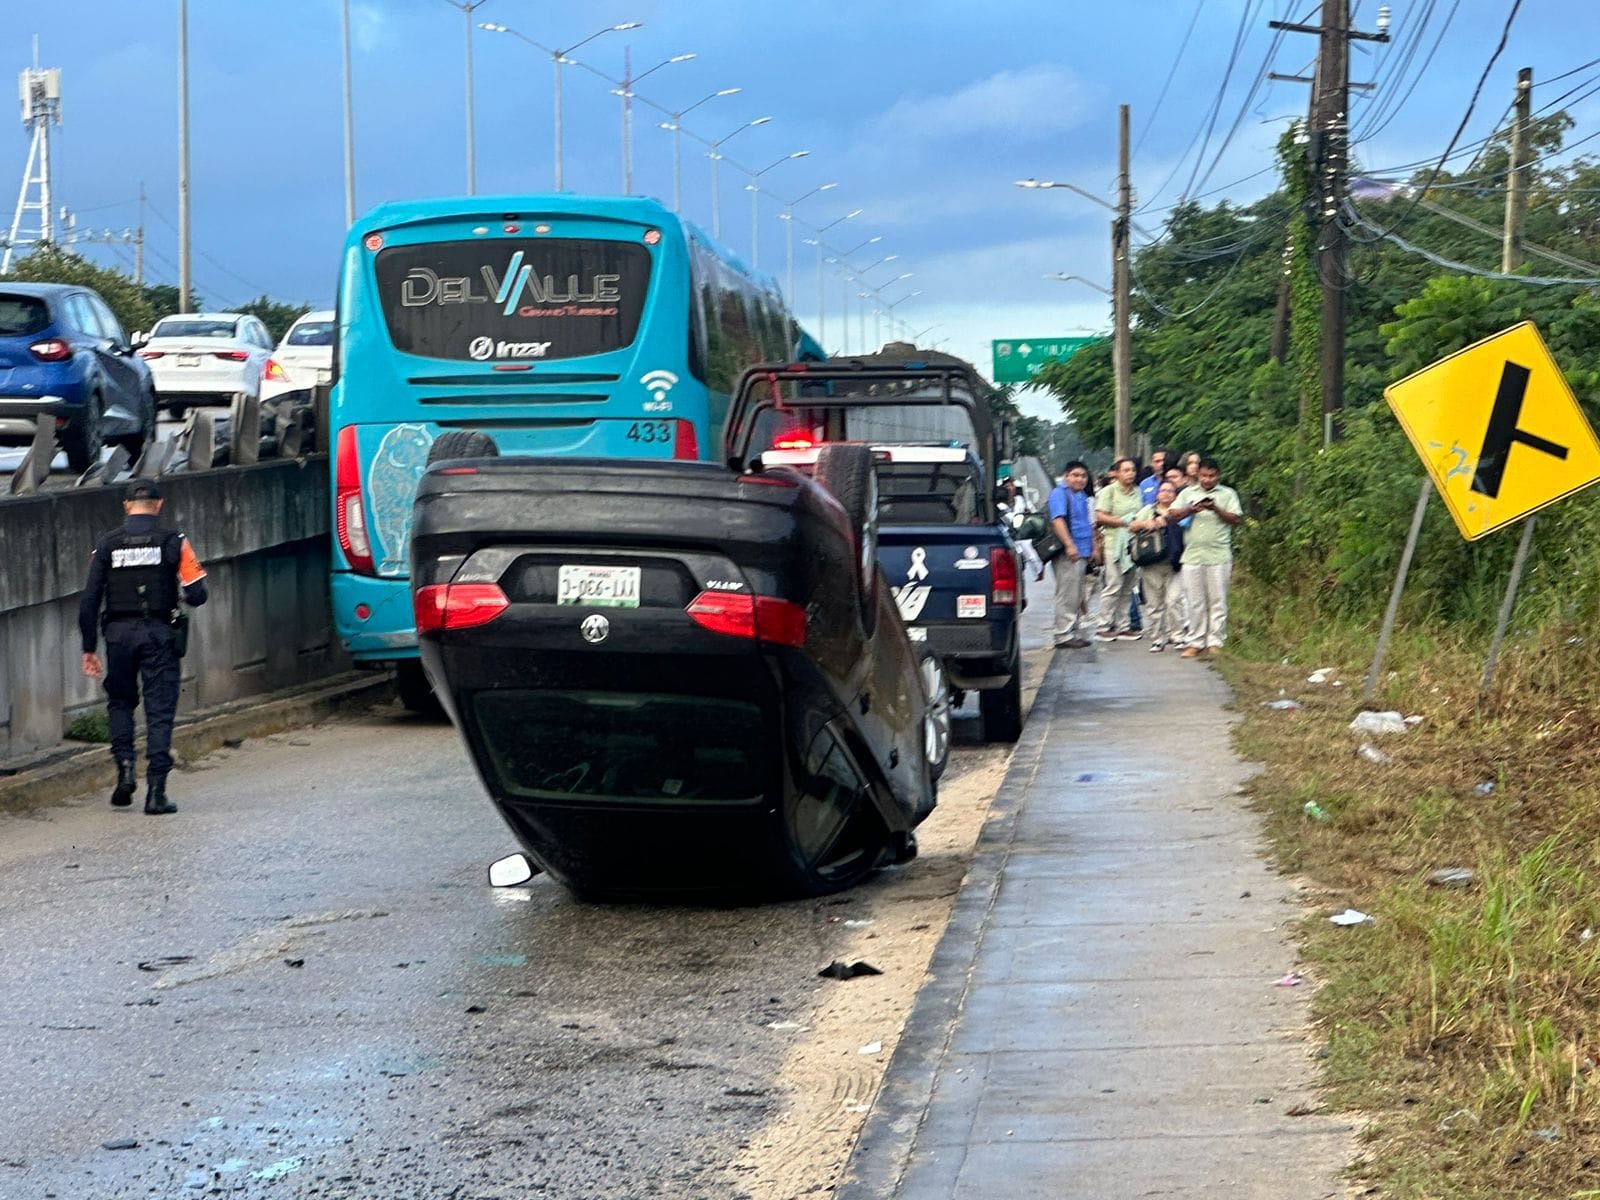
{"points": [[1037, 100]]}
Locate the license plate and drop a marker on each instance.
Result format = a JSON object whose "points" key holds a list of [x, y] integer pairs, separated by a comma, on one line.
{"points": [[188, 360], [972, 606], [598, 587]]}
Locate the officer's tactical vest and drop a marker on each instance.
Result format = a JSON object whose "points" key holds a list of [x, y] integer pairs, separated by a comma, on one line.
{"points": [[142, 574]]}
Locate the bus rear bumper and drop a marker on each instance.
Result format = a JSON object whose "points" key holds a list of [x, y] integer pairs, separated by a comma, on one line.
{"points": [[388, 632]]}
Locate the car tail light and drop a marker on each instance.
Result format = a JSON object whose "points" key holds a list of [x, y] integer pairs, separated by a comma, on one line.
{"points": [[1002, 576], [231, 355], [440, 606], [51, 350], [350, 518], [273, 371], [152, 354], [759, 618], [684, 442]]}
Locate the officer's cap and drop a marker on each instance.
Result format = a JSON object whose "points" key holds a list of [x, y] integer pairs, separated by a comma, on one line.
{"points": [[142, 489]]}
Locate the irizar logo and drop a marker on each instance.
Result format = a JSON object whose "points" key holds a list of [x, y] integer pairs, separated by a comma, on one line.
{"points": [[486, 347], [659, 383]]}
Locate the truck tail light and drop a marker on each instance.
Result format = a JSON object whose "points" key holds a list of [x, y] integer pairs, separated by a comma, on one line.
{"points": [[759, 618], [350, 516], [684, 442], [1002, 576], [441, 606]]}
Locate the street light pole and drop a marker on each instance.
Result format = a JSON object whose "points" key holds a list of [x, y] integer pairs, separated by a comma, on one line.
{"points": [[183, 156], [349, 126], [675, 126], [755, 204], [715, 154], [468, 7], [788, 216], [626, 92]]}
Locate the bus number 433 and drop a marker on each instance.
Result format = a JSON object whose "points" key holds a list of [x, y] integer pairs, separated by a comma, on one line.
{"points": [[650, 432]]}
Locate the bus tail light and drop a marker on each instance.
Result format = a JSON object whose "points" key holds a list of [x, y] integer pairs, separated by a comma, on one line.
{"points": [[1002, 576], [441, 606], [350, 517], [684, 442], [758, 618]]}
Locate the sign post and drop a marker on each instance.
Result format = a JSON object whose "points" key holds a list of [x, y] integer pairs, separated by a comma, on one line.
{"points": [[1018, 360], [1501, 436], [1376, 669]]}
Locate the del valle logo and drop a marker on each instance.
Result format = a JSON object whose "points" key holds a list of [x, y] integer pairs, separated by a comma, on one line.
{"points": [[547, 296]]}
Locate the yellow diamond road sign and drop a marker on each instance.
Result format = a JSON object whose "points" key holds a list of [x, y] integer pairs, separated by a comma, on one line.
{"points": [[1498, 429]]}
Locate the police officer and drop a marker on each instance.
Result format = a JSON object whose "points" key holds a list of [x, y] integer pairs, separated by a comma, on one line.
{"points": [[139, 572]]}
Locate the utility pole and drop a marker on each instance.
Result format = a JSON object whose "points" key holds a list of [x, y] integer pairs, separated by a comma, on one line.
{"points": [[1517, 181], [349, 126], [1122, 344], [1330, 130]]}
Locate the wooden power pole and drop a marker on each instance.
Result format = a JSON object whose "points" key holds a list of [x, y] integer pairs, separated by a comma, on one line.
{"points": [[1331, 162], [1122, 340], [1516, 181]]}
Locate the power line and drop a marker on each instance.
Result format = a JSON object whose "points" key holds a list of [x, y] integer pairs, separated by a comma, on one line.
{"points": [[1172, 71], [1463, 268]]}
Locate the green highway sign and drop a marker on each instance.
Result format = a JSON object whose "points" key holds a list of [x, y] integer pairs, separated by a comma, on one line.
{"points": [[1017, 360]]}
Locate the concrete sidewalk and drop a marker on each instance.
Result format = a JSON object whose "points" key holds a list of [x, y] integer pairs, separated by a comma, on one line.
{"points": [[1100, 1018]]}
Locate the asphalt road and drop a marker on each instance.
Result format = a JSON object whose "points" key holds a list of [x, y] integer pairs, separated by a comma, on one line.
{"points": [[301, 986]]}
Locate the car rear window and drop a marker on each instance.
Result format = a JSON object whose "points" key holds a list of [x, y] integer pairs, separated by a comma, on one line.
{"points": [[623, 746], [513, 299], [310, 333], [195, 329], [21, 316], [927, 494]]}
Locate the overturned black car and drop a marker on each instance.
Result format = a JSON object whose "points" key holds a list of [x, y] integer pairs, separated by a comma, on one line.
{"points": [[674, 677]]}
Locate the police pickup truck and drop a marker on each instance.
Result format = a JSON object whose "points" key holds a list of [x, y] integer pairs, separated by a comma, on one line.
{"points": [[942, 545]]}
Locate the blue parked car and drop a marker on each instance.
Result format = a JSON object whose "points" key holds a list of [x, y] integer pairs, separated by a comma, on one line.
{"points": [[64, 354]]}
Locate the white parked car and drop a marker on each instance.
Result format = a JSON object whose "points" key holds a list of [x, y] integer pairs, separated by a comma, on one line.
{"points": [[303, 359], [206, 358]]}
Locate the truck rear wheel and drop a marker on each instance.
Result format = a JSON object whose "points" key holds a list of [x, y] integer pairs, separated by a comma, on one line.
{"points": [[1001, 708], [848, 472], [462, 443]]}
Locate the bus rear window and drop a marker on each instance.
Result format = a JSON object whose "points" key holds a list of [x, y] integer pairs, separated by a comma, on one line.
{"points": [[513, 300]]}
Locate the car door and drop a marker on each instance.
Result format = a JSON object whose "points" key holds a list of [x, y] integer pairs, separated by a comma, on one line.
{"points": [[127, 377]]}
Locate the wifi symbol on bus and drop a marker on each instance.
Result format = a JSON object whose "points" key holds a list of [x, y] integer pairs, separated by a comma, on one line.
{"points": [[659, 383]]}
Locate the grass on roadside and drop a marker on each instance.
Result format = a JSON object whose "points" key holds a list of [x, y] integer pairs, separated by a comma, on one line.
{"points": [[1464, 1024]]}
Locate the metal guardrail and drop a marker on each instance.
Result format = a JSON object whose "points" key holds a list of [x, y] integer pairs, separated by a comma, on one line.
{"points": [[287, 427]]}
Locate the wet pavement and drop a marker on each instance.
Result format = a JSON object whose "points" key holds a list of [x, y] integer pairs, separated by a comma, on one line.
{"points": [[300, 985]]}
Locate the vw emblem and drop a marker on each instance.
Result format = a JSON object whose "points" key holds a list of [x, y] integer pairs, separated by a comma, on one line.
{"points": [[594, 628]]}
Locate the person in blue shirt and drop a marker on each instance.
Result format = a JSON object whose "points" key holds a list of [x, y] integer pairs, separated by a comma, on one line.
{"points": [[1160, 460], [1071, 511]]}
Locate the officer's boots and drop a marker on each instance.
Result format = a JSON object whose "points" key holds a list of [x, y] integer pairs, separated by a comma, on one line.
{"points": [[155, 796], [127, 784]]}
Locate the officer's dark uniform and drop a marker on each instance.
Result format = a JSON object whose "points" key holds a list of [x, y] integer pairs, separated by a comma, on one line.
{"points": [[139, 572]]}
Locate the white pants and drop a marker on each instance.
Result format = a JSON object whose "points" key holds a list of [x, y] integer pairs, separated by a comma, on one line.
{"points": [[1030, 558], [1069, 596], [1161, 592], [1116, 598], [1206, 588]]}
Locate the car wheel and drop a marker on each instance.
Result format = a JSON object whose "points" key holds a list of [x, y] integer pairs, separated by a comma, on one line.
{"points": [[1001, 708], [849, 473], [937, 721], [416, 693], [81, 438], [462, 443]]}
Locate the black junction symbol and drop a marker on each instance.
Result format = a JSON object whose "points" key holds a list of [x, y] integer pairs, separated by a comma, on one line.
{"points": [[1503, 432]]}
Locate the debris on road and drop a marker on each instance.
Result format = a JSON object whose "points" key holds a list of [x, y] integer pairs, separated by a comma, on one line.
{"points": [[1353, 916], [1462, 1118], [1486, 788], [1379, 723], [165, 961], [1316, 812], [120, 1144], [871, 1048], [1289, 980], [294, 962], [788, 1026], [1373, 755], [1320, 675], [1282, 705], [1453, 877], [840, 970]]}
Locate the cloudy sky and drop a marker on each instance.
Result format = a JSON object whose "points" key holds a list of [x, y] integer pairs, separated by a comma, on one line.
{"points": [[924, 114]]}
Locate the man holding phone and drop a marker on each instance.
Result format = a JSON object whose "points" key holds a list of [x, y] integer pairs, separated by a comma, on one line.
{"points": [[1207, 556]]}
